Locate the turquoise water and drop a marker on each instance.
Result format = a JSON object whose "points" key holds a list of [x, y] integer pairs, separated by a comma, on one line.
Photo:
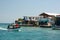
{"points": [[30, 33]]}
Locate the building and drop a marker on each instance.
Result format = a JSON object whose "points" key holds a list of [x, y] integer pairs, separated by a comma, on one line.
{"points": [[57, 23], [35, 20], [32, 20], [46, 20]]}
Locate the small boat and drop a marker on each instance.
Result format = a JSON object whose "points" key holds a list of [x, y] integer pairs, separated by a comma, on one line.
{"points": [[15, 27]]}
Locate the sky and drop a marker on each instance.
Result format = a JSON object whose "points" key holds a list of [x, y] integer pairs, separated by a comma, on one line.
{"points": [[10, 10]]}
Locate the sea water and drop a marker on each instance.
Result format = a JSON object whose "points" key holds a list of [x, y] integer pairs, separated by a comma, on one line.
{"points": [[29, 33]]}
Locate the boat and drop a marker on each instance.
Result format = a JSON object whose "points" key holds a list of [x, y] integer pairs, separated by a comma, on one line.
{"points": [[57, 23], [14, 27]]}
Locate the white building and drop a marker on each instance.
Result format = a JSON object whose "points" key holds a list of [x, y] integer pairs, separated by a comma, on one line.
{"points": [[32, 18]]}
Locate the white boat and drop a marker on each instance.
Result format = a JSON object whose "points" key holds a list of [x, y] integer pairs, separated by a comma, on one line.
{"points": [[13, 27]]}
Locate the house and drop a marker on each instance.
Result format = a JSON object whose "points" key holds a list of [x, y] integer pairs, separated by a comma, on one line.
{"points": [[32, 20], [46, 20]]}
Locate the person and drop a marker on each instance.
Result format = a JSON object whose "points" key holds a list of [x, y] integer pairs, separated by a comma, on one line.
{"points": [[17, 25]]}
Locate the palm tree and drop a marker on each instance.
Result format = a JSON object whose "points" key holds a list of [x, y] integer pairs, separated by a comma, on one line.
{"points": [[20, 19]]}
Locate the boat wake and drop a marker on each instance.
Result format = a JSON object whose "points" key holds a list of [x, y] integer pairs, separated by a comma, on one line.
{"points": [[3, 28], [19, 30]]}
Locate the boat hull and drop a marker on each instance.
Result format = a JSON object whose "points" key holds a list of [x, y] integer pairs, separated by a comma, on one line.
{"points": [[14, 29]]}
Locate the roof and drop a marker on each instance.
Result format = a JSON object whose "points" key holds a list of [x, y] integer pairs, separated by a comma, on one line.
{"points": [[49, 14], [52, 13]]}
